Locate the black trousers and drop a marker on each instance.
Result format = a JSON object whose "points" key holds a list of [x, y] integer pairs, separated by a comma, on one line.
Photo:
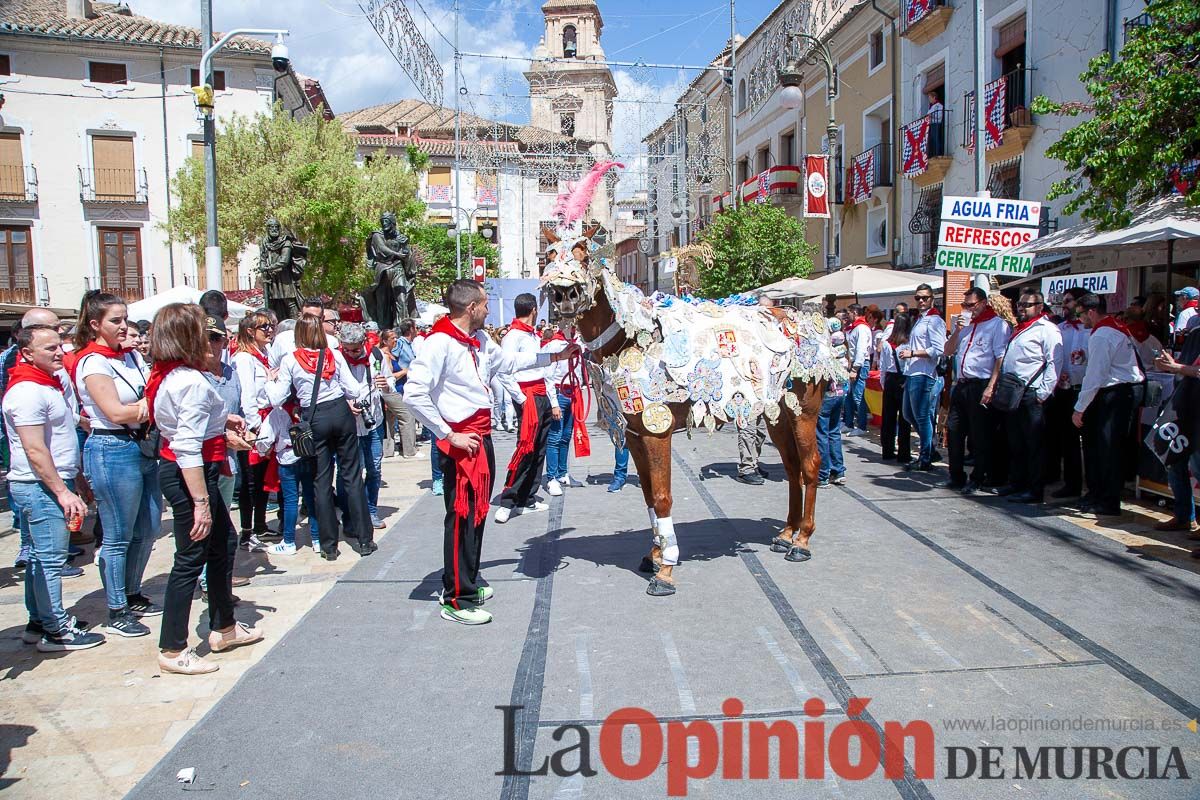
{"points": [[252, 499], [972, 425], [1105, 443], [895, 431], [462, 542], [523, 482], [334, 432], [1064, 452], [1025, 429], [216, 552]]}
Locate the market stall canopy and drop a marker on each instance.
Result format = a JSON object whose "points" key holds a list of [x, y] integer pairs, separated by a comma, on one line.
{"points": [[788, 287], [429, 312], [146, 309], [864, 281], [1162, 221]]}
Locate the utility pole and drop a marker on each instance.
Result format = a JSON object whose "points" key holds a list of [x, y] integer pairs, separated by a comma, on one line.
{"points": [[980, 279], [732, 101], [458, 145], [212, 250]]}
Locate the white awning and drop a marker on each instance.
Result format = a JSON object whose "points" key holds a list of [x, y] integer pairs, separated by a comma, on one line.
{"points": [[1159, 222]]}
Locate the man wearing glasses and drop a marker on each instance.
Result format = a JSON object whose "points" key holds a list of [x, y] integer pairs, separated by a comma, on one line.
{"points": [[285, 341], [1033, 354], [979, 339], [920, 356]]}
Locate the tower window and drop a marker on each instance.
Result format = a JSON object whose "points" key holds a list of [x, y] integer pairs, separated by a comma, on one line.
{"points": [[566, 123], [569, 45]]}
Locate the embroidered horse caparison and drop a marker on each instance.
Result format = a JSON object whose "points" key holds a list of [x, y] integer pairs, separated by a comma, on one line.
{"points": [[660, 368]]}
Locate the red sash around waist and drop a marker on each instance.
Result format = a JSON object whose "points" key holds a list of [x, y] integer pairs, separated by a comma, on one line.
{"points": [[529, 423], [213, 450], [472, 471], [532, 387]]}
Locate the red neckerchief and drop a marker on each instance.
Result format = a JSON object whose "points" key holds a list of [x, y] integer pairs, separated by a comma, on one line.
{"points": [[1190, 304], [857, 321], [1022, 327], [557, 337], [933, 312], [372, 340], [1138, 329], [520, 325], [1075, 322], [25, 372], [259, 354], [1112, 322], [94, 346], [360, 361], [158, 373], [987, 313], [444, 325], [307, 359]]}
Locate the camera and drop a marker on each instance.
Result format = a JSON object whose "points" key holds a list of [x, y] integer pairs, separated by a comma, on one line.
{"points": [[279, 57], [367, 410]]}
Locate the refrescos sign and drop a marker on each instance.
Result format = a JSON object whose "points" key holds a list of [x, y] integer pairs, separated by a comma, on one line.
{"points": [[976, 230]]}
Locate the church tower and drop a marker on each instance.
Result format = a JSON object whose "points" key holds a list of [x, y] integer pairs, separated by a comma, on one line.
{"points": [[572, 96]]}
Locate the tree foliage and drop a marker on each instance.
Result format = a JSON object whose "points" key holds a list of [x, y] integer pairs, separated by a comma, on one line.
{"points": [[434, 253], [304, 173], [753, 245], [1145, 124]]}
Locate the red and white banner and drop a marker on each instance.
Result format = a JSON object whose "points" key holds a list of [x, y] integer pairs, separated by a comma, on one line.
{"points": [[479, 268], [916, 146], [862, 177], [994, 108], [816, 186], [770, 181]]}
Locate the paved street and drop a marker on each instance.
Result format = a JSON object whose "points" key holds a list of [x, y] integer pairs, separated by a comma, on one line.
{"points": [[936, 607]]}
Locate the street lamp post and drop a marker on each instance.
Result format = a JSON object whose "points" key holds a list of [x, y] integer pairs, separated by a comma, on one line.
{"points": [[455, 233], [204, 99], [792, 97]]}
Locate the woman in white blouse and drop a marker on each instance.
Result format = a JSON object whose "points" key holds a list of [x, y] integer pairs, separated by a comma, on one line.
{"points": [[197, 432], [111, 383], [250, 361], [334, 431]]}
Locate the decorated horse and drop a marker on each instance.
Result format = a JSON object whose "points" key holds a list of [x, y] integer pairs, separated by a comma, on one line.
{"points": [[659, 368]]}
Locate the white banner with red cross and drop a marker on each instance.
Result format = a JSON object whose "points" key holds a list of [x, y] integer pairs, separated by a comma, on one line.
{"points": [[994, 105], [862, 177], [915, 148]]}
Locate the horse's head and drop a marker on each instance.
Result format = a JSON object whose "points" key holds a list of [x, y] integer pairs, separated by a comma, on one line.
{"points": [[569, 282]]}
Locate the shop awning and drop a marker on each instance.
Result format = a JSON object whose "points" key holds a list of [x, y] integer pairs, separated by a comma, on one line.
{"points": [[1162, 221]]}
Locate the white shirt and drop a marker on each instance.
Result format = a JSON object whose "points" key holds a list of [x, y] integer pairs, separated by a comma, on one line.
{"points": [[1074, 352], [275, 434], [935, 112], [887, 358], [982, 344], [30, 403], [252, 376], [928, 334], [516, 341], [448, 381], [360, 374], [126, 375], [285, 343], [293, 377], [1183, 319], [858, 342], [1111, 360], [558, 372], [189, 412], [1028, 350]]}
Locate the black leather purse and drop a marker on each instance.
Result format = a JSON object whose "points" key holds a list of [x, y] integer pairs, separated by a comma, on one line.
{"points": [[304, 445]]}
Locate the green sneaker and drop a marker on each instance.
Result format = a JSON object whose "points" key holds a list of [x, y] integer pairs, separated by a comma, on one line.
{"points": [[466, 616], [485, 594]]}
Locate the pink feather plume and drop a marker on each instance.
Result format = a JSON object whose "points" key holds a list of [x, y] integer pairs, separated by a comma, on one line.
{"points": [[573, 204]]}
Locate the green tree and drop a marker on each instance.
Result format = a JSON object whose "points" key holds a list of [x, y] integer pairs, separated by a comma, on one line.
{"points": [[1144, 122], [433, 251], [753, 245], [304, 173]]}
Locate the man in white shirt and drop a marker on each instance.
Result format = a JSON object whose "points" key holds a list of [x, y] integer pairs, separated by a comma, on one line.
{"points": [[535, 399], [858, 344], [978, 341], [920, 357], [40, 425], [1033, 354], [1064, 450], [448, 391], [1188, 300], [285, 340], [1106, 405]]}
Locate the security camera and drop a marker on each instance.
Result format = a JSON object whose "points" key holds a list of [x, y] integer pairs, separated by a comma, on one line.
{"points": [[279, 57]]}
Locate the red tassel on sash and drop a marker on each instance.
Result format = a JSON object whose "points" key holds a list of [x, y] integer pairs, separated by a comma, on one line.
{"points": [[529, 424], [472, 470]]}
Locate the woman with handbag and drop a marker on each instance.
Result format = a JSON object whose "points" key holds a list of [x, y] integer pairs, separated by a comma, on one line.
{"points": [[119, 458], [197, 432], [895, 448], [250, 361], [325, 388]]}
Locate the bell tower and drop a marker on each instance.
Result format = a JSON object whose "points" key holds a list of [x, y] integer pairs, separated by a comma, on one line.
{"points": [[573, 95]]}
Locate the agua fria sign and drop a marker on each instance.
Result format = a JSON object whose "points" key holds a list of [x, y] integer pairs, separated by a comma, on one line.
{"points": [[976, 232]]}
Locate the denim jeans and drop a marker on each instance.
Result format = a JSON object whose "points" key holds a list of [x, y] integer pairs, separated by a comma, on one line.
{"points": [[372, 456], [558, 443], [854, 415], [621, 465], [47, 553], [289, 501], [20, 524], [919, 409], [130, 504], [829, 437], [435, 456], [1181, 486]]}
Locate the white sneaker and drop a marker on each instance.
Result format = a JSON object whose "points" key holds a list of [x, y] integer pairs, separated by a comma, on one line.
{"points": [[536, 505], [282, 549], [850, 432], [571, 483], [502, 514], [553, 488]]}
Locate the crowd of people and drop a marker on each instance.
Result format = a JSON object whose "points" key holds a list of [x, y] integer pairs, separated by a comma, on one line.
{"points": [[1033, 395]]}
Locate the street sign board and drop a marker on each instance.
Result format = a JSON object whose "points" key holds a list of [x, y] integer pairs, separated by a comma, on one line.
{"points": [[985, 261], [955, 234], [1094, 282], [993, 210]]}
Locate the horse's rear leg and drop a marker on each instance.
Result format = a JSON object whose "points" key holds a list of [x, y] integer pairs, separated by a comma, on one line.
{"points": [[785, 442]]}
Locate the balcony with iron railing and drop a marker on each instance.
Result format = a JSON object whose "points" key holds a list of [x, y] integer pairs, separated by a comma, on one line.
{"points": [[1133, 24], [18, 183], [112, 185], [128, 286], [1006, 112], [872, 167], [928, 131], [922, 20]]}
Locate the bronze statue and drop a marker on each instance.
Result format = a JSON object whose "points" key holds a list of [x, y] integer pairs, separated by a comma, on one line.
{"points": [[391, 298], [281, 262]]}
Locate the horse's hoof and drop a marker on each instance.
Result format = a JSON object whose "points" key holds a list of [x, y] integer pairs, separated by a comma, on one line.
{"points": [[660, 588], [649, 566], [780, 545], [798, 554]]}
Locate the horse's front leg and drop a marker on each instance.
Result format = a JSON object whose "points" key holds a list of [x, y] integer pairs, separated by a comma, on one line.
{"points": [[658, 498], [637, 451]]}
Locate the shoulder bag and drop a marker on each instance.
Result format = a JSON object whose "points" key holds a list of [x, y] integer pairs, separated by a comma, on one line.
{"points": [[1010, 389], [148, 437], [304, 444]]}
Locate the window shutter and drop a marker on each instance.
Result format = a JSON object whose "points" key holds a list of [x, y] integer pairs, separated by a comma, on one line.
{"points": [[935, 78], [1012, 36], [12, 169], [104, 72], [112, 163]]}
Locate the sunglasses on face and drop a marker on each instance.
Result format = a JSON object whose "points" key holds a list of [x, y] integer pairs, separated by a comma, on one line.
{"points": [[1028, 305], [216, 337], [924, 298], [970, 305], [266, 326]]}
